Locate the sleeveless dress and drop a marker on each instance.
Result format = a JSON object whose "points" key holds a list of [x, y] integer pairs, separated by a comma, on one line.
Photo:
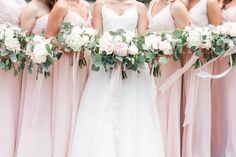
{"points": [[64, 111], [169, 102], [10, 87], [224, 104], [34, 133], [127, 124], [197, 123]]}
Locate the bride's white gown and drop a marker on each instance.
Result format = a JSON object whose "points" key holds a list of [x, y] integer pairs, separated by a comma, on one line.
{"points": [[125, 124]]}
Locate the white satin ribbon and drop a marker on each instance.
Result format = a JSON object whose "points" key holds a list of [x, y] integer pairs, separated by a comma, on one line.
{"points": [[204, 74], [176, 75]]}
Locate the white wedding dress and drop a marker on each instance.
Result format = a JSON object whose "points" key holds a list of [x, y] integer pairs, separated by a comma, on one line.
{"points": [[122, 124]]}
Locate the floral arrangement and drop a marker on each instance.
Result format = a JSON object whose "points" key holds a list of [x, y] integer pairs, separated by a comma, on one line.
{"points": [[76, 39], [41, 52], [228, 32], [12, 48], [117, 47], [158, 48], [113, 48]]}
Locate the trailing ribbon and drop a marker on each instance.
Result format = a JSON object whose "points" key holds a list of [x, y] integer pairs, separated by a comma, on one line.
{"points": [[205, 74], [176, 75]]}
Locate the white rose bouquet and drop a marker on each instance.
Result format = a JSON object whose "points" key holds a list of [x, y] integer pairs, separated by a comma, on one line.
{"points": [[226, 34], [12, 48], [117, 47], [41, 52], [76, 39], [157, 47]]}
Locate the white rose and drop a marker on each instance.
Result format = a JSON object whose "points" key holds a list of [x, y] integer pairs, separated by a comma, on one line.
{"points": [[9, 33], [117, 39], [90, 31], [12, 44], [40, 52], [106, 45], [129, 36], [194, 39], [76, 30], [85, 39], [148, 42], [74, 41], [133, 50], [165, 46]]}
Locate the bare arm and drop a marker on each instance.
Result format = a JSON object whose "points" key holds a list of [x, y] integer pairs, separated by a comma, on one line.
{"points": [[55, 19], [142, 20], [180, 14], [97, 17], [28, 18], [214, 12]]}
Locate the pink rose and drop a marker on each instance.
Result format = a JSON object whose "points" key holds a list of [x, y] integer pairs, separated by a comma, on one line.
{"points": [[121, 49]]}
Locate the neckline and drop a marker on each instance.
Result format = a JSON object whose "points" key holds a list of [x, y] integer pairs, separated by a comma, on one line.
{"points": [[151, 8], [85, 20], [121, 15], [230, 8]]}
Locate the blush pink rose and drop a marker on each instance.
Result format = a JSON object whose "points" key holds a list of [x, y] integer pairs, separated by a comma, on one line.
{"points": [[121, 49]]}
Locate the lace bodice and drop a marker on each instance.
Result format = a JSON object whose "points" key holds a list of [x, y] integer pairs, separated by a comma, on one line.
{"points": [[127, 21]]}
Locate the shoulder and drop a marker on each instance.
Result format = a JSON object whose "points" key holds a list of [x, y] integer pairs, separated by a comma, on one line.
{"points": [[85, 4], [31, 9], [212, 2], [142, 9], [178, 7], [61, 6], [99, 4]]}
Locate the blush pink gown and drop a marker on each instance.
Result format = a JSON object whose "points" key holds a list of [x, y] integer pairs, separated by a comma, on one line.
{"points": [[34, 133], [197, 100], [10, 87], [64, 111], [224, 104], [169, 102]]}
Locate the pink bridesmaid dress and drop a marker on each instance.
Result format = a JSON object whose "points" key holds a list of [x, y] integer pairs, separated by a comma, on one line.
{"points": [[197, 100], [224, 104], [34, 133], [10, 87], [64, 110], [169, 102]]}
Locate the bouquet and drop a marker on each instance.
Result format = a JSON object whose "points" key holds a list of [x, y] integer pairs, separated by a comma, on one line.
{"points": [[76, 39], [227, 32], [41, 52], [158, 47], [12, 48], [117, 47]]}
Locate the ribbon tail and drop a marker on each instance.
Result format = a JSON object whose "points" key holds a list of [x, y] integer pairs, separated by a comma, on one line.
{"points": [[175, 76], [204, 74]]}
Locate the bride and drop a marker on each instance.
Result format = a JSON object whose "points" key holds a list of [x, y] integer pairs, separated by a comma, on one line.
{"points": [[125, 124]]}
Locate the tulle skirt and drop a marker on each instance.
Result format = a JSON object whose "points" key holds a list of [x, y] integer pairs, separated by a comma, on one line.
{"points": [[10, 87], [124, 123], [223, 112], [34, 133], [65, 109]]}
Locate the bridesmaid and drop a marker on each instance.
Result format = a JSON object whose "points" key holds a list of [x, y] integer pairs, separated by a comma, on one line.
{"points": [[197, 123], [64, 110], [34, 133], [10, 86], [224, 128], [166, 16]]}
